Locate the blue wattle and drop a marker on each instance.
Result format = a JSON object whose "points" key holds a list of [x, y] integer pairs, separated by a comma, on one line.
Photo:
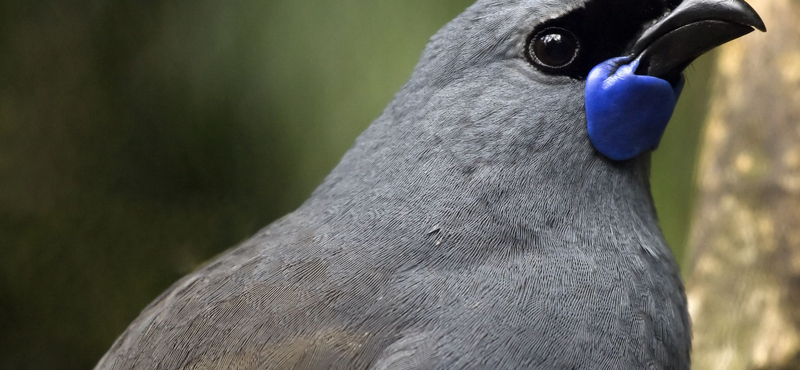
{"points": [[627, 113]]}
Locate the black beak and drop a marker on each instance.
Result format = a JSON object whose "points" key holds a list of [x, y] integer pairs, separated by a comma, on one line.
{"points": [[692, 29]]}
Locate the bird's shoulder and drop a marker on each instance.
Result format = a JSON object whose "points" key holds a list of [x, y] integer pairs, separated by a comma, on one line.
{"points": [[271, 303]]}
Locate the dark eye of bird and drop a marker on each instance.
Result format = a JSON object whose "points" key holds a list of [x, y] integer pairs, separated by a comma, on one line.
{"points": [[554, 48], [574, 43]]}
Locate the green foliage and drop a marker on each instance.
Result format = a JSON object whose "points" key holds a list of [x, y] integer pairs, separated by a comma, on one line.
{"points": [[140, 138]]}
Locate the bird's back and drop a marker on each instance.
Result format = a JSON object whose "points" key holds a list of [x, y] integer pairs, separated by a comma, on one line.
{"points": [[339, 292]]}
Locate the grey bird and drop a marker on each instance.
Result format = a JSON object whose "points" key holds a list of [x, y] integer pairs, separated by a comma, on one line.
{"points": [[473, 225]]}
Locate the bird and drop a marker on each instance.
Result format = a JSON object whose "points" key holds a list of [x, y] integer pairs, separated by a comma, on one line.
{"points": [[496, 215]]}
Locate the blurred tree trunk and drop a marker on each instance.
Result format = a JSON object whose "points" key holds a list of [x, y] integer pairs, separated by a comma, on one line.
{"points": [[744, 278]]}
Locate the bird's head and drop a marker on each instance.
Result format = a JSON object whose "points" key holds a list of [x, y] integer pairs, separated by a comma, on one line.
{"points": [[570, 76]]}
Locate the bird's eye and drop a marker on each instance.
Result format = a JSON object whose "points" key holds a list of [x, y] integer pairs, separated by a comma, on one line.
{"points": [[553, 48]]}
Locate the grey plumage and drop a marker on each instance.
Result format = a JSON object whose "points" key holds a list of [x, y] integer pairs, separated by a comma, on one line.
{"points": [[471, 226]]}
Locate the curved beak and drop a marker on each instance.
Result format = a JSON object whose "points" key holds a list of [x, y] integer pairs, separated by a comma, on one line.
{"points": [[692, 29]]}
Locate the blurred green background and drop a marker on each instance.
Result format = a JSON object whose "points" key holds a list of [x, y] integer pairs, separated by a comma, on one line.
{"points": [[140, 138]]}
